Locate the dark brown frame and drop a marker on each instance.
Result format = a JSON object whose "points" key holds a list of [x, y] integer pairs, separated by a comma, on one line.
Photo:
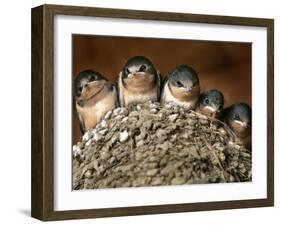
{"points": [[42, 202]]}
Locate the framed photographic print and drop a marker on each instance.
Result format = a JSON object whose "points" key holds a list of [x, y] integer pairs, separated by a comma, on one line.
{"points": [[141, 112]]}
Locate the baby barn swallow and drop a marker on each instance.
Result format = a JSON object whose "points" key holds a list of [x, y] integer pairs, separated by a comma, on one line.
{"points": [[95, 96], [239, 118], [181, 87], [211, 103], [138, 82]]}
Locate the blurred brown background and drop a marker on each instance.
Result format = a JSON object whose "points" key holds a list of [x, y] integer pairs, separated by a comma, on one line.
{"points": [[225, 66]]}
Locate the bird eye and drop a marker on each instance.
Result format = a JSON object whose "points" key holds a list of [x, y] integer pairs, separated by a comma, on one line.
{"points": [[92, 78], [127, 70], [207, 101], [179, 84], [236, 117], [79, 91], [142, 68]]}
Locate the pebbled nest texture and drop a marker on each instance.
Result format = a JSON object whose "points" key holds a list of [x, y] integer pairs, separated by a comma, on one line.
{"points": [[149, 144]]}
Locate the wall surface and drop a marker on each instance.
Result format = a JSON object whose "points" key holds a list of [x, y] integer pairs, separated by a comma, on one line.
{"points": [[15, 112]]}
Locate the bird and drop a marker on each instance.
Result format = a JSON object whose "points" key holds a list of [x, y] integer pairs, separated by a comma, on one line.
{"points": [[138, 82], [239, 118], [181, 87], [95, 96], [211, 103]]}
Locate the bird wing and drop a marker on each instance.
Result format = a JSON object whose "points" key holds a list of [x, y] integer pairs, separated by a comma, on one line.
{"points": [[81, 123], [164, 81], [159, 85], [116, 90], [120, 91]]}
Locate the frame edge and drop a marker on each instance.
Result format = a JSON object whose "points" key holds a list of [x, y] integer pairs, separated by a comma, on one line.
{"points": [[37, 112], [270, 112], [42, 197], [156, 15]]}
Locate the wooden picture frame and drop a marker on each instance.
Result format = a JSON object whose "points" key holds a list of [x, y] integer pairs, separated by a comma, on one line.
{"points": [[43, 112]]}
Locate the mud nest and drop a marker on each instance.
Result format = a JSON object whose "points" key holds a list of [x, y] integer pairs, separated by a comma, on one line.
{"points": [[149, 145]]}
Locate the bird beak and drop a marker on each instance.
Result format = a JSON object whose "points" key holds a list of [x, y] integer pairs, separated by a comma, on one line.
{"points": [[131, 75], [189, 89], [211, 109], [80, 103], [243, 124], [247, 125], [136, 74]]}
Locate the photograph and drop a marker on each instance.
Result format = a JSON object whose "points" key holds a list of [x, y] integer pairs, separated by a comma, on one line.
{"points": [[160, 112]]}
